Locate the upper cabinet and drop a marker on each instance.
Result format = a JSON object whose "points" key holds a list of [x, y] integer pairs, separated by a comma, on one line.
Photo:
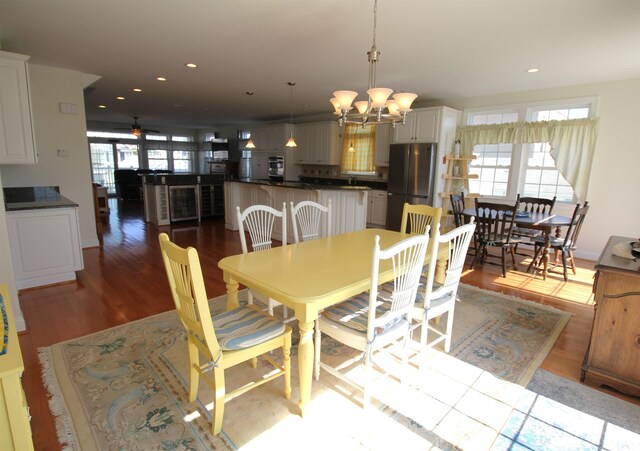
{"points": [[421, 126], [318, 143], [383, 140], [272, 137], [16, 127]]}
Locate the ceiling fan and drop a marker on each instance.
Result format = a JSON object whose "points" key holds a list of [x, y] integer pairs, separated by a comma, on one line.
{"points": [[136, 129]]}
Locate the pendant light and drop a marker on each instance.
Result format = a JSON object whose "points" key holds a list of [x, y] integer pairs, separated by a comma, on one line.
{"points": [[291, 142], [249, 144]]}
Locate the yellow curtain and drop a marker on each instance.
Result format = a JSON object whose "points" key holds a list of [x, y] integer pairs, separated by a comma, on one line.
{"points": [[362, 141]]}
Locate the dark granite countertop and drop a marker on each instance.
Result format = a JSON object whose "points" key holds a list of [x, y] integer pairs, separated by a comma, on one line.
{"points": [[300, 185], [35, 198]]}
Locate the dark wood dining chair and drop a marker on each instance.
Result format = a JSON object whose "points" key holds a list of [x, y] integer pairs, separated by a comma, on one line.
{"points": [[531, 205], [494, 227], [457, 208], [563, 246]]}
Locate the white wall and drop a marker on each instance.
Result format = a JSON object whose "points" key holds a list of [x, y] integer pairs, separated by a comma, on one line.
{"points": [[614, 186], [54, 130], [6, 266]]}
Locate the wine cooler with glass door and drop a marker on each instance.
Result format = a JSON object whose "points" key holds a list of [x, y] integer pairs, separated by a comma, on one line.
{"points": [[184, 202]]}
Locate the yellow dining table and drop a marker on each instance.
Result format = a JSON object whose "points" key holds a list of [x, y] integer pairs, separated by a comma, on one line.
{"points": [[310, 276]]}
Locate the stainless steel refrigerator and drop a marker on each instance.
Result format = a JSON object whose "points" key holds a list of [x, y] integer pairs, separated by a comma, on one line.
{"points": [[411, 179]]}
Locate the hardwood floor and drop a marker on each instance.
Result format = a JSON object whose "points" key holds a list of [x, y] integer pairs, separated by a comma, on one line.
{"points": [[125, 281]]}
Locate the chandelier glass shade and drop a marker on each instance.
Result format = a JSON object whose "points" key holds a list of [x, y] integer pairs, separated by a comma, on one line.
{"points": [[378, 108], [136, 132]]}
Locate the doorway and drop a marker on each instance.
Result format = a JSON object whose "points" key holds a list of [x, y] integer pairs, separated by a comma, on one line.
{"points": [[109, 156]]}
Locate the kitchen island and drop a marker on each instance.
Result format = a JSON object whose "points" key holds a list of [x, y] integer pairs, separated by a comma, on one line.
{"points": [[348, 203], [44, 236]]}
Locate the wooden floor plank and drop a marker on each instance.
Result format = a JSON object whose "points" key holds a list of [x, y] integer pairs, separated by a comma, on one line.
{"points": [[125, 280]]}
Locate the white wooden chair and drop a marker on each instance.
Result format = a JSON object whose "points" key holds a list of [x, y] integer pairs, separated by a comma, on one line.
{"points": [[369, 323], [306, 216], [434, 299], [259, 221], [224, 340]]}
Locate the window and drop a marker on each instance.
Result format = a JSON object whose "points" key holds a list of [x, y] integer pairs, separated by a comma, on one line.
{"points": [[182, 161], [541, 179], [358, 147], [157, 159], [505, 170], [493, 162]]}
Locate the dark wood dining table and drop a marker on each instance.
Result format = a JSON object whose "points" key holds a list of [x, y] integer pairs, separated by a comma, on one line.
{"points": [[538, 221]]}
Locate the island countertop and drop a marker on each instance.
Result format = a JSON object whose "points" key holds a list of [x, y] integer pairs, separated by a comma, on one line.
{"points": [[35, 198], [300, 185]]}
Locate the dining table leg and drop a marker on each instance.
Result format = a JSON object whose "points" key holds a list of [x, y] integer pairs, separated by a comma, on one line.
{"points": [[545, 254], [305, 362], [232, 292]]}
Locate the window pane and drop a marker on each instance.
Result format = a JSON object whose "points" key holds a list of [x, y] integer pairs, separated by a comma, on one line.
{"points": [[127, 156], [155, 138]]}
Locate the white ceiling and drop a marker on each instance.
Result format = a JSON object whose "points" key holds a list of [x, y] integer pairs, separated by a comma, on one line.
{"points": [[440, 49]]}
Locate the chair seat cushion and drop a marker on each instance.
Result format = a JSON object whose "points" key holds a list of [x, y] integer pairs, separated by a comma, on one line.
{"points": [[553, 241], [353, 313], [523, 231], [244, 327]]}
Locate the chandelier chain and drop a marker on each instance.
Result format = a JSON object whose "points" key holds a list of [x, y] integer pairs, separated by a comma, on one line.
{"points": [[375, 21]]}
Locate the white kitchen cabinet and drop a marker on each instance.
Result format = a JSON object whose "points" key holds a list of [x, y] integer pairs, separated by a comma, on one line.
{"points": [[45, 245], [421, 126], [304, 151], [383, 140], [156, 204], [349, 207], [17, 144], [272, 137], [377, 211], [259, 165], [320, 143]]}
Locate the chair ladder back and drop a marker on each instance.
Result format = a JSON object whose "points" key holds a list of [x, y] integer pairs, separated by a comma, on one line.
{"points": [[536, 204], [457, 207], [577, 220], [458, 241], [417, 217], [306, 217], [259, 220], [494, 221], [407, 259], [189, 294]]}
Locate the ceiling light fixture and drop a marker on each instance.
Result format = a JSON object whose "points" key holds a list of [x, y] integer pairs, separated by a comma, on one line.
{"points": [[136, 131], [161, 79], [370, 111], [249, 144], [102, 106], [120, 98], [137, 90], [291, 142], [191, 65], [533, 70]]}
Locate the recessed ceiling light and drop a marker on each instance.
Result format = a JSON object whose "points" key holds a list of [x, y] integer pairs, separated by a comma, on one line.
{"points": [[120, 98], [102, 106], [137, 90], [161, 79], [533, 70], [191, 65]]}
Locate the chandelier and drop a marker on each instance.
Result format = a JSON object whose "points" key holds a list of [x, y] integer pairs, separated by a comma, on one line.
{"points": [[372, 110]]}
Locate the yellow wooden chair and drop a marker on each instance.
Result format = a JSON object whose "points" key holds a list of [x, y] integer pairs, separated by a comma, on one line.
{"points": [[416, 218], [224, 340]]}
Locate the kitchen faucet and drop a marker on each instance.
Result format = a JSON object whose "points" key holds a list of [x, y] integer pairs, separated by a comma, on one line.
{"points": [[351, 180]]}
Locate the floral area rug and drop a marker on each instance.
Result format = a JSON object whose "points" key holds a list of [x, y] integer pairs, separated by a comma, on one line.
{"points": [[126, 387]]}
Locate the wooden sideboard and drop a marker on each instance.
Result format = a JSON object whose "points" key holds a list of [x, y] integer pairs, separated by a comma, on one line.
{"points": [[613, 357], [15, 430]]}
